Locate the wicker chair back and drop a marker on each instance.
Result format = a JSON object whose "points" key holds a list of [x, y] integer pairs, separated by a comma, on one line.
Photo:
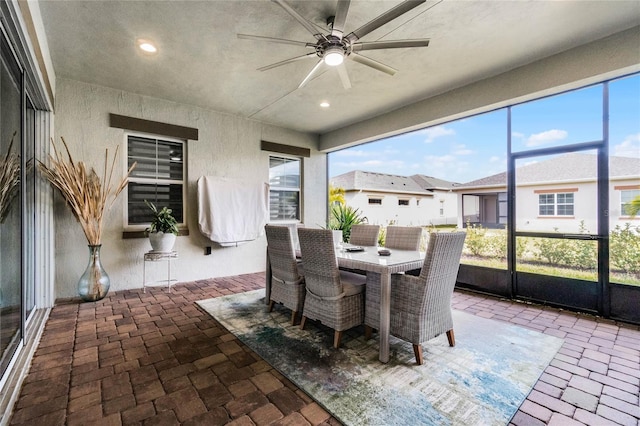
{"points": [[403, 237], [321, 271], [364, 235]]}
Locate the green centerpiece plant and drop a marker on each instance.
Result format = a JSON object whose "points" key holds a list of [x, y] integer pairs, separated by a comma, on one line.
{"points": [[163, 229]]}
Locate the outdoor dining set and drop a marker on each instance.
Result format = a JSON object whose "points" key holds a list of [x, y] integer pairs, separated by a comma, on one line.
{"points": [[396, 289]]}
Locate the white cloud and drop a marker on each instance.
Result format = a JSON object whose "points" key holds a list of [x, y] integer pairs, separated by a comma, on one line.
{"points": [[494, 159], [381, 166], [439, 161], [396, 164], [433, 133], [461, 150], [363, 165], [546, 137], [390, 150], [517, 135], [353, 153], [360, 165], [630, 147]]}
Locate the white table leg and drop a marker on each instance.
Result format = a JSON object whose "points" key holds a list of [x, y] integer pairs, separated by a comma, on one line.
{"points": [[385, 315]]}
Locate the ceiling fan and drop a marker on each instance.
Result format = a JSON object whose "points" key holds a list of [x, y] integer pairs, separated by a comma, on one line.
{"points": [[334, 47]]}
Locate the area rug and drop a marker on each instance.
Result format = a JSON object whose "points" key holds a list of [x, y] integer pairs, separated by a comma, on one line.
{"points": [[481, 381]]}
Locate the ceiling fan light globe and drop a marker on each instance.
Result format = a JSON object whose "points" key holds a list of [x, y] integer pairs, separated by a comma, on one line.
{"points": [[333, 57]]}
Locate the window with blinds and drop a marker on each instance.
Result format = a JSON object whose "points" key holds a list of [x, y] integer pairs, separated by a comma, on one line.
{"points": [[626, 198], [556, 204], [158, 177], [284, 193]]}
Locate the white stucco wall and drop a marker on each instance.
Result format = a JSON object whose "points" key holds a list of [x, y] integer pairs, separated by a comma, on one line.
{"points": [[585, 207], [228, 146], [424, 213]]}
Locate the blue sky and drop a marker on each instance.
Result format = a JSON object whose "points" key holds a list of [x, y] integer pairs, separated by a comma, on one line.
{"points": [[475, 147]]}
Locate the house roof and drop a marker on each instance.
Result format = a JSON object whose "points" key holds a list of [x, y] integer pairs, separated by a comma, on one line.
{"points": [[358, 180], [567, 167]]}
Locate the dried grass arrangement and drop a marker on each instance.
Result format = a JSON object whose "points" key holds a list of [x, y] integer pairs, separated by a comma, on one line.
{"points": [[84, 191], [9, 180]]}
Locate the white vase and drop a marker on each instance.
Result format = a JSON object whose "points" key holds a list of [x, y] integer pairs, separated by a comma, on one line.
{"points": [[337, 237], [162, 242]]}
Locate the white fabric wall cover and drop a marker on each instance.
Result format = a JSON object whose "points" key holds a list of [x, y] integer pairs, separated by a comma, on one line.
{"points": [[232, 211]]}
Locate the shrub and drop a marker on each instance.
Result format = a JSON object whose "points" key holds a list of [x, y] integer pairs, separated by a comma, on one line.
{"points": [[624, 248], [585, 253], [553, 251], [579, 254], [475, 242], [497, 244]]}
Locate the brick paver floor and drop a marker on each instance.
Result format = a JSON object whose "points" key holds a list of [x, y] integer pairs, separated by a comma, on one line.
{"points": [[155, 358]]}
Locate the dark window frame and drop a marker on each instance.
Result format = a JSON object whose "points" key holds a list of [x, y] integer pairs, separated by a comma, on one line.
{"points": [[168, 182]]}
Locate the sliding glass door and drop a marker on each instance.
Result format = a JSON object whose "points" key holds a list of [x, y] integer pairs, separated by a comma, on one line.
{"points": [[11, 322]]}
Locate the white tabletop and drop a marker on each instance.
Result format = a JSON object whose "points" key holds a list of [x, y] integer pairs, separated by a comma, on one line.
{"points": [[370, 260]]}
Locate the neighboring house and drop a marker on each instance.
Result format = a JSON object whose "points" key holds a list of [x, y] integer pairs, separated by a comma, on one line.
{"points": [[562, 188], [401, 200]]}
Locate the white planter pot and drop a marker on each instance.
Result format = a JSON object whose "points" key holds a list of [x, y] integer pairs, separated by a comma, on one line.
{"points": [[161, 242]]}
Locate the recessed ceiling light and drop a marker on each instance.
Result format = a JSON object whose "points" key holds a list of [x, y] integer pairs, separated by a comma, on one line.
{"points": [[325, 104], [147, 46]]}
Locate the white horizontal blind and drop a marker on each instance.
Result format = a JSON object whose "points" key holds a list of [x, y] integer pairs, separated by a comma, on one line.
{"points": [[284, 194], [157, 178]]}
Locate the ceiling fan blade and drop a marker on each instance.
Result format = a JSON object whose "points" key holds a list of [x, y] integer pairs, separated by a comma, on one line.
{"points": [[311, 74], [287, 61], [344, 76], [388, 16], [275, 40], [308, 25], [390, 44], [372, 63], [340, 19]]}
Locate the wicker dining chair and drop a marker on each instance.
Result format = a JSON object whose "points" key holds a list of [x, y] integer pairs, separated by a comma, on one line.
{"points": [[421, 306], [364, 235], [403, 237], [287, 280], [334, 297]]}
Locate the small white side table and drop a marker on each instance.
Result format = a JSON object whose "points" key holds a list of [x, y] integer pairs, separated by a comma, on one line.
{"points": [[158, 256]]}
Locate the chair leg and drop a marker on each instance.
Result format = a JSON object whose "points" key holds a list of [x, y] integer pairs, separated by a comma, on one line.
{"points": [[271, 303], [293, 317], [337, 336], [367, 332], [302, 321], [451, 338], [417, 350]]}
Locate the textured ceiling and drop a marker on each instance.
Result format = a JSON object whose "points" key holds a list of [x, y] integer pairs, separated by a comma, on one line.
{"points": [[201, 61]]}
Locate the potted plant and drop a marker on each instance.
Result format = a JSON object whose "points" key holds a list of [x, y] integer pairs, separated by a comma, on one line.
{"points": [[163, 229], [343, 217], [89, 196]]}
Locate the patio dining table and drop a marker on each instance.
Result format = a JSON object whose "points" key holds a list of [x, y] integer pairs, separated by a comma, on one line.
{"points": [[371, 262]]}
